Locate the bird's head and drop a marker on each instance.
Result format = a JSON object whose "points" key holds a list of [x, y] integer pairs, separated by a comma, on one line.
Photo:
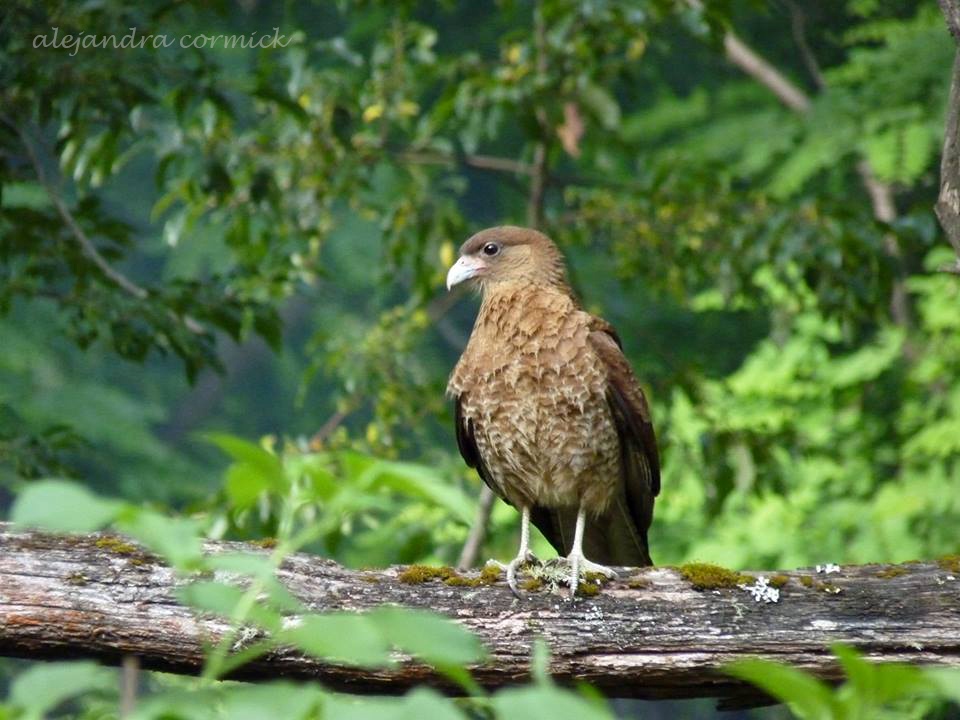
{"points": [[508, 254]]}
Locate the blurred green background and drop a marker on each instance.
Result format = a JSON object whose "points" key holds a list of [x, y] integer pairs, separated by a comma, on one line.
{"points": [[212, 256]]}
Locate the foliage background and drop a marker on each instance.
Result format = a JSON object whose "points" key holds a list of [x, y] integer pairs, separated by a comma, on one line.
{"points": [[222, 269]]}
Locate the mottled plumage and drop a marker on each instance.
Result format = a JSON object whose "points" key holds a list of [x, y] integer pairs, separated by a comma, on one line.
{"points": [[547, 407]]}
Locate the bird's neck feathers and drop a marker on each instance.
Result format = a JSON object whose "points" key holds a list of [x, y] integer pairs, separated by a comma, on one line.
{"points": [[516, 294], [507, 305]]}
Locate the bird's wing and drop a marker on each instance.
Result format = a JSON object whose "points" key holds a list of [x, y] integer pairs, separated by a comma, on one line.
{"points": [[639, 459], [467, 443], [631, 413]]}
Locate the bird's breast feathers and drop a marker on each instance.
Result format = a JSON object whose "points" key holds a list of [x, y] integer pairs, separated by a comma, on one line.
{"points": [[534, 391]]}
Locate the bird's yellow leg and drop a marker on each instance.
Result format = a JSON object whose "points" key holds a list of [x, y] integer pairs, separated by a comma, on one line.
{"points": [[523, 555], [578, 563]]}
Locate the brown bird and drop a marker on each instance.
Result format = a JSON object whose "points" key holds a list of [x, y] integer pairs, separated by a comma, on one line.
{"points": [[548, 410]]}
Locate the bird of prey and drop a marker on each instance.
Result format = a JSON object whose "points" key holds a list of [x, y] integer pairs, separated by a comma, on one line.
{"points": [[548, 410]]}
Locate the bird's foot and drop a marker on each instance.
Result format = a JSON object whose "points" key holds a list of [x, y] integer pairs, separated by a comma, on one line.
{"points": [[510, 568], [580, 567]]}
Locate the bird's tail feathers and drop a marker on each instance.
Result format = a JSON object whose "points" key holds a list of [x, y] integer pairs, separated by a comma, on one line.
{"points": [[613, 538]]}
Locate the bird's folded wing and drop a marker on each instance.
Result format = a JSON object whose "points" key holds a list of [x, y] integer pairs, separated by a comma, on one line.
{"points": [[631, 415], [467, 443]]}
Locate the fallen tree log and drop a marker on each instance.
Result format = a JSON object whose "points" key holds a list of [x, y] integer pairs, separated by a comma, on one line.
{"points": [[651, 634]]}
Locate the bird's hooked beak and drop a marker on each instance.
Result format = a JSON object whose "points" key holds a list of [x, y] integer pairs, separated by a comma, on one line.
{"points": [[465, 268]]}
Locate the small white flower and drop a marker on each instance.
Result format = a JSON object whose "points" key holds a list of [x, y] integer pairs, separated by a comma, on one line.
{"points": [[828, 568], [762, 591]]}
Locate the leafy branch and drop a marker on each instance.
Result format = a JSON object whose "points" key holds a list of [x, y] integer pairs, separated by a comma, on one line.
{"points": [[86, 245]]}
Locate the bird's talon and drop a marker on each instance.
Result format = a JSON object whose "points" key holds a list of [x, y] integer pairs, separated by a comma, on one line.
{"points": [[581, 568], [520, 562]]}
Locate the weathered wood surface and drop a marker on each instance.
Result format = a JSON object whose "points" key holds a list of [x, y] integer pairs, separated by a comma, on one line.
{"points": [[66, 597]]}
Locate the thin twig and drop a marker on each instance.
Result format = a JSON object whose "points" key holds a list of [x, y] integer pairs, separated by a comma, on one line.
{"points": [[86, 245], [482, 162], [798, 22], [129, 680], [331, 424], [741, 55]]}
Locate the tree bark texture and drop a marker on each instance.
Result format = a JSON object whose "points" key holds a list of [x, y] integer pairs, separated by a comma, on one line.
{"points": [[650, 634], [948, 201]]}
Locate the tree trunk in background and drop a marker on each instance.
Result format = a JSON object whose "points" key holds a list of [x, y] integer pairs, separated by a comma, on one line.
{"points": [[948, 202]]}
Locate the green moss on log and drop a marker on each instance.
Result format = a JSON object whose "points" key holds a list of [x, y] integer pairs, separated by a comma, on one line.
{"points": [[704, 576], [415, 574]]}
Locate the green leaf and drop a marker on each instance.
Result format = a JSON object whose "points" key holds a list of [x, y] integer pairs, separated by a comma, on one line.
{"points": [[419, 481], [807, 696], [900, 153], [245, 483], [282, 700], [937, 439], [946, 681], [42, 687], [430, 637], [867, 363], [223, 598], [25, 194], [177, 540], [419, 704], [545, 702], [281, 598], [872, 685], [62, 506], [253, 472], [316, 468], [348, 638], [256, 566], [540, 662], [248, 453], [193, 704], [815, 153], [214, 597]]}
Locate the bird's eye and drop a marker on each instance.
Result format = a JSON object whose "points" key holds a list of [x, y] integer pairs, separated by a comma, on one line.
{"points": [[491, 249]]}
